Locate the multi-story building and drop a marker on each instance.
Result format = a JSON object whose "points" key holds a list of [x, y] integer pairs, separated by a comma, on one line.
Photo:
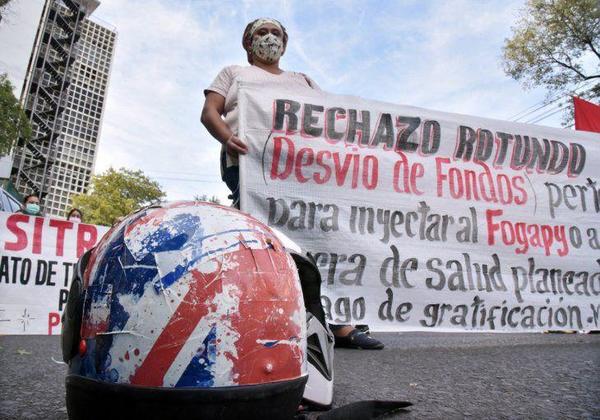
{"points": [[64, 95]]}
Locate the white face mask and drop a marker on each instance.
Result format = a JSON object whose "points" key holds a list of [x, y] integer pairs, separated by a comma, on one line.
{"points": [[268, 48], [75, 219]]}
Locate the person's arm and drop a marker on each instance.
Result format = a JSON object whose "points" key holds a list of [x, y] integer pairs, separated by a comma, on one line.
{"points": [[214, 107]]}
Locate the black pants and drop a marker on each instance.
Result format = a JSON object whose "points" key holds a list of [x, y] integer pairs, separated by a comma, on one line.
{"points": [[231, 176]]}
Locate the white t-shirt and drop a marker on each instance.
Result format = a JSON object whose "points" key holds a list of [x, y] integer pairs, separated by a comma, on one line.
{"points": [[225, 84]]}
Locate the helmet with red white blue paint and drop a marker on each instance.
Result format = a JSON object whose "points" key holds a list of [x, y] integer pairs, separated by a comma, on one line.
{"points": [[187, 309]]}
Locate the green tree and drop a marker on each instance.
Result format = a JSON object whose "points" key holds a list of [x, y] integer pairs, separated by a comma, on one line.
{"points": [[116, 193], [4, 7], [214, 199], [555, 44], [13, 121]]}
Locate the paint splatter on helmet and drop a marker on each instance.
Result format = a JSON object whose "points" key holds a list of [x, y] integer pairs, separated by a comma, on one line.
{"points": [[186, 310]]}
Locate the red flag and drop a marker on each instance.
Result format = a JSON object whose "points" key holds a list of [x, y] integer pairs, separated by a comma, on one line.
{"points": [[587, 115]]}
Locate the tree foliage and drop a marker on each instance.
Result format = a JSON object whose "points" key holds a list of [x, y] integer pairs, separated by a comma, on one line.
{"points": [[213, 199], [4, 7], [555, 44], [116, 193], [13, 121]]}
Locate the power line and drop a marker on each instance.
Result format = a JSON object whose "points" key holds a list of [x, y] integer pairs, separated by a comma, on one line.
{"points": [[545, 103], [539, 108], [540, 117], [518, 115], [544, 116]]}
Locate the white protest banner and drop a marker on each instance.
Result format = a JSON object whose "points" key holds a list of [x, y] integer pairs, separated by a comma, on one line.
{"points": [[37, 257], [425, 220]]}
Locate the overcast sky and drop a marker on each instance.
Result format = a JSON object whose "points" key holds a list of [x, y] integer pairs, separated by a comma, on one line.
{"points": [[442, 55]]}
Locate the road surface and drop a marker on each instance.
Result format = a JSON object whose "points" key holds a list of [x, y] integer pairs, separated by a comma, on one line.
{"points": [[550, 376]]}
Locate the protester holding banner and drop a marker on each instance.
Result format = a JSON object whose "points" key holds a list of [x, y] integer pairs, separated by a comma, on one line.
{"points": [[264, 41], [31, 206]]}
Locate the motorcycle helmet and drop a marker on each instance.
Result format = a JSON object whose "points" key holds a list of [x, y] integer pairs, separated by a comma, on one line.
{"points": [[191, 309], [318, 393]]}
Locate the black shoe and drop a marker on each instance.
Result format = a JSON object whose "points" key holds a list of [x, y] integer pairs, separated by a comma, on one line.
{"points": [[358, 340], [363, 328]]}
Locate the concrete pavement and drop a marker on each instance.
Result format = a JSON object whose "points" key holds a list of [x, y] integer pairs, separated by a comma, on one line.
{"points": [[445, 375]]}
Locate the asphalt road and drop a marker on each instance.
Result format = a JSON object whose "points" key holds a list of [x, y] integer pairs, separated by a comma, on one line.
{"points": [[550, 376]]}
